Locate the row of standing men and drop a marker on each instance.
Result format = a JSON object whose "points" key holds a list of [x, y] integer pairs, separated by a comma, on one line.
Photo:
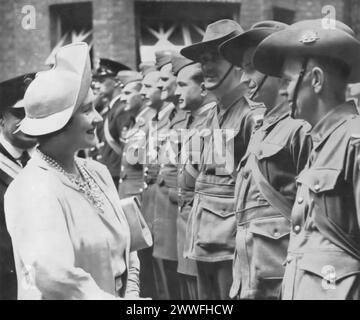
{"points": [[280, 217], [281, 214]]}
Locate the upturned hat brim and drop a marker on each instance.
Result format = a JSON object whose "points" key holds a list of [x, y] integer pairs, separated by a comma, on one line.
{"points": [[51, 123], [194, 51], [233, 49], [270, 55], [55, 95]]}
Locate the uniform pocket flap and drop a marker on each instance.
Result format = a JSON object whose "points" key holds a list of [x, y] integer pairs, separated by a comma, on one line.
{"points": [[329, 265], [222, 207], [267, 150], [319, 179], [274, 227]]}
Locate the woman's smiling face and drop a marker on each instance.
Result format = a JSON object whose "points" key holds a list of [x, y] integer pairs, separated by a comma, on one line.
{"points": [[81, 132]]}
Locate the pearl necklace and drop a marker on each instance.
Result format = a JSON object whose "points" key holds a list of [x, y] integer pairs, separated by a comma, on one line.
{"points": [[85, 183]]}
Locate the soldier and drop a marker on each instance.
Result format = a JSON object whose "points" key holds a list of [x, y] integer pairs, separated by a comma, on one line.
{"points": [[131, 181], [107, 85], [14, 153], [265, 186], [165, 209], [121, 115], [210, 238], [106, 101], [152, 104], [198, 101], [316, 62]]}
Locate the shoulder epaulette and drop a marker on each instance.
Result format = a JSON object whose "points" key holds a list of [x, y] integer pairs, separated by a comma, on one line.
{"points": [[253, 104]]}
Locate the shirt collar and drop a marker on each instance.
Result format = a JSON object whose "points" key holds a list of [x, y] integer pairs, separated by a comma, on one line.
{"points": [[163, 111], [12, 150], [204, 108], [277, 113], [232, 96], [332, 120]]}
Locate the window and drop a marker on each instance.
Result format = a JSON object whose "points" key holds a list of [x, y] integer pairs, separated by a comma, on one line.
{"points": [[173, 25], [69, 23]]}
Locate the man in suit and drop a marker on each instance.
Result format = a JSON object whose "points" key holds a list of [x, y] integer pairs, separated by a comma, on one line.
{"points": [[14, 153]]}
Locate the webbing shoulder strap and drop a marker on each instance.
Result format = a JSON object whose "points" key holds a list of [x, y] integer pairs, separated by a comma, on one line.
{"points": [[110, 140], [274, 197]]}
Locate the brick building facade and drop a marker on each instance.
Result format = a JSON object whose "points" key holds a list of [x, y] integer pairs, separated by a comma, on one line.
{"points": [[125, 30]]}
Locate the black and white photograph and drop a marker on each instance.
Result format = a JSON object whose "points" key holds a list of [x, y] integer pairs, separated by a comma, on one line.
{"points": [[198, 152]]}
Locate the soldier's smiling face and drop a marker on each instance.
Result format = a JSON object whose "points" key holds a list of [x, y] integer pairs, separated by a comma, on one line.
{"points": [[189, 87], [214, 68]]}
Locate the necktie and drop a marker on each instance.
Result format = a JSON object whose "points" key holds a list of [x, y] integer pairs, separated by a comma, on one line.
{"points": [[24, 158], [190, 121]]}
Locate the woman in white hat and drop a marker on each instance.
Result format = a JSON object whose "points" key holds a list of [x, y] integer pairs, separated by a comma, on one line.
{"points": [[71, 238]]}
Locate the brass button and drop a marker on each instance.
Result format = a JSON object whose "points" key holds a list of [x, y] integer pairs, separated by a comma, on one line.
{"points": [[300, 200], [121, 181], [246, 174], [145, 185], [288, 259], [141, 190], [162, 165], [317, 187], [276, 234], [297, 228], [146, 169]]}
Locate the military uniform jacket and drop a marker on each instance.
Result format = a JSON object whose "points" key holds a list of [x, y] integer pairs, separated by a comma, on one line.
{"points": [[324, 250], [211, 226], [9, 169], [187, 174], [166, 201], [118, 122], [277, 152], [131, 174], [158, 126]]}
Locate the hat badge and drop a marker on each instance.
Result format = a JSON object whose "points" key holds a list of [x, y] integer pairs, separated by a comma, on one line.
{"points": [[309, 36]]}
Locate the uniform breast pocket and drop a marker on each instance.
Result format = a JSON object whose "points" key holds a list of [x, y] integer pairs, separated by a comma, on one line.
{"points": [[217, 224], [266, 247], [324, 185], [267, 150], [328, 275]]}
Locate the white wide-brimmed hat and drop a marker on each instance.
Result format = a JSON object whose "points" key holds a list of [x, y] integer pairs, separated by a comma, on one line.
{"points": [[54, 95]]}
